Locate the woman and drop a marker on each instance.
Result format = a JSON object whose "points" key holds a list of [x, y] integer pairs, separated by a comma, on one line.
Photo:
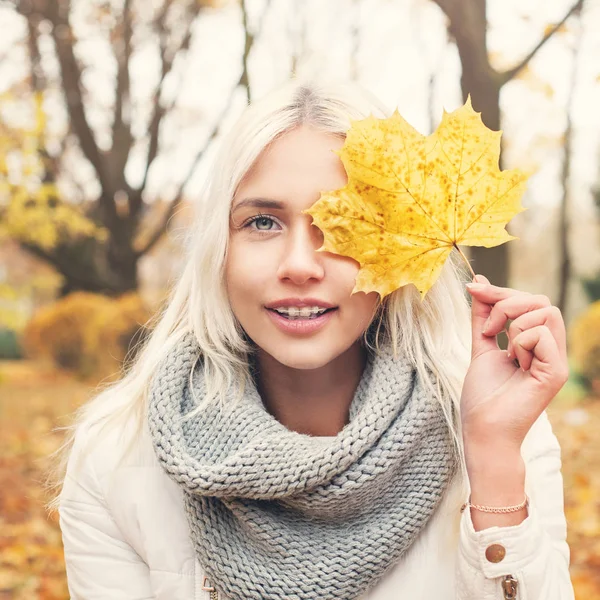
{"points": [[280, 437]]}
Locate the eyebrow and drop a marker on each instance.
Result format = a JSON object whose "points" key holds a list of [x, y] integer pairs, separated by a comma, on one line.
{"points": [[258, 203]]}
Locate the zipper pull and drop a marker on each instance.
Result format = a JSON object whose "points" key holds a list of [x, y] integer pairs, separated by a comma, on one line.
{"points": [[509, 587], [212, 592]]}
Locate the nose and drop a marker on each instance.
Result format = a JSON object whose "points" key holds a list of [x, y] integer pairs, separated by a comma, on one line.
{"points": [[299, 261]]}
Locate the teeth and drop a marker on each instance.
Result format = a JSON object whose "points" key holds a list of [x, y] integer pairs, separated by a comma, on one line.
{"points": [[303, 312]]}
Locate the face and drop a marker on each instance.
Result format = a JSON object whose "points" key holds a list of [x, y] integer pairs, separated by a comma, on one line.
{"points": [[272, 259]]}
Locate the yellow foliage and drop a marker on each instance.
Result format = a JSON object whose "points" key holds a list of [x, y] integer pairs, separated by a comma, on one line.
{"points": [[86, 333], [411, 198], [550, 27], [584, 338], [44, 220], [116, 328], [35, 212]]}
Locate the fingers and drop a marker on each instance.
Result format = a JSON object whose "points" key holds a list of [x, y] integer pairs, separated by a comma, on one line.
{"points": [[512, 308], [526, 310], [484, 297], [551, 317], [480, 311], [489, 293], [537, 351]]}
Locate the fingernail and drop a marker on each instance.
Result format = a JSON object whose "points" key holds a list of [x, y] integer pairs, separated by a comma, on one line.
{"points": [[486, 325], [475, 287]]}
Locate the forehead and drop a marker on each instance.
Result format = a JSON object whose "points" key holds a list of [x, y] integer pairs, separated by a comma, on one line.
{"points": [[296, 161]]}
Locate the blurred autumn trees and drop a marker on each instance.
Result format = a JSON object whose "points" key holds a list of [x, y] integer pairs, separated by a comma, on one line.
{"points": [[467, 26], [95, 243], [96, 240]]}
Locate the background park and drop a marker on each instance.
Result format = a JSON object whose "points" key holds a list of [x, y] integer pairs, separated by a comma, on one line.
{"points": [[110, 111]]}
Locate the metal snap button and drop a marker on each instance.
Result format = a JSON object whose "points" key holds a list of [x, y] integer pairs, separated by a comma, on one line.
{"points": [[495, 553]]}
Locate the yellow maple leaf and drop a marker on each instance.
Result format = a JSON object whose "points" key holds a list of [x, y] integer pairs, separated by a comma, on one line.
{"points": [[411, 198]]}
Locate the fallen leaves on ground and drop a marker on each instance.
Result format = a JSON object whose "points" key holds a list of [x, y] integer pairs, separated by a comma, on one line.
{"points": [[577, 430], [35, 399]]}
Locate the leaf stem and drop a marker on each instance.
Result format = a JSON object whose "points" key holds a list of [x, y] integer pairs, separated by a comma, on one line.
{"points": [[465, 259]]}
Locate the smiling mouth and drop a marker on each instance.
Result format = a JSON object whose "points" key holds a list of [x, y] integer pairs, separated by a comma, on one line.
{"points": [[300, 317]]}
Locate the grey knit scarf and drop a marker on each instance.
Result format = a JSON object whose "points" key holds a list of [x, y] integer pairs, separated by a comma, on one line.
{"points": [[278, 514]]}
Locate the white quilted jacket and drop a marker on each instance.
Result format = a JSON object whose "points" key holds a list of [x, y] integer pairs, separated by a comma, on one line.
{"points": [[125, 534]]}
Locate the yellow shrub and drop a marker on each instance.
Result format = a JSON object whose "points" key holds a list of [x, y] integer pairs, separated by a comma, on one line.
{"points": [[86, 333], [116, 330], [584, 343]]}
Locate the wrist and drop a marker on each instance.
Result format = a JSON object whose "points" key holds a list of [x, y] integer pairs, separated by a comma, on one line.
{"points": [[488, 453], [490, 435], [496, 478]]}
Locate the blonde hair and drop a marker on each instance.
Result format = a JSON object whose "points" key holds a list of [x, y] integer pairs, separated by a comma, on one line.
{"points": [[434, 334]]}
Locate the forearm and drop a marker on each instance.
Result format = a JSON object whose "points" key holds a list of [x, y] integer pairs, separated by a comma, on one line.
{"points": [[536, 550], [497, 478]]}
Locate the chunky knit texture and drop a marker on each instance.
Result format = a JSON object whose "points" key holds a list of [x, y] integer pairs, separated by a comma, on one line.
{"points": [[275, 514]]}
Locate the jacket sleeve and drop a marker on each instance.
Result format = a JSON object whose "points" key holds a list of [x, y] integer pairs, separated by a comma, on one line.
{"points": [[537, 553], [100, 564]]}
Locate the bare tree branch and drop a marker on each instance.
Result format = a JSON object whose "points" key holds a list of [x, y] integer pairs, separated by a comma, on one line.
{"points": [[37, 77], [248, 42], [58, 14], [565, 206], [51, 163], [159, 111], [164, 223], [243, 81], [511, 73], [122, 139]]}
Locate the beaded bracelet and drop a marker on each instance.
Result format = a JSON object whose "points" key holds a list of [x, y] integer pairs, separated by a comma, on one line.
{"points": [[500, 509]]}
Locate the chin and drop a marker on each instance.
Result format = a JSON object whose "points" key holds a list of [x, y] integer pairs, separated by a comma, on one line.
{"points": [[311, 357]]}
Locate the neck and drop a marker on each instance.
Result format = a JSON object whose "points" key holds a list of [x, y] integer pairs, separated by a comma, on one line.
{"points": [[313, 402]]}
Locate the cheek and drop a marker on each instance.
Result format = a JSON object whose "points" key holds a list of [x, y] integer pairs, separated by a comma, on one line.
{"points": [[345, 270], [363, 308], [246, 273]]}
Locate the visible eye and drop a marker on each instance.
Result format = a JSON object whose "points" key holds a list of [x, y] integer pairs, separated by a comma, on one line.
{"points": [[260, 220]]}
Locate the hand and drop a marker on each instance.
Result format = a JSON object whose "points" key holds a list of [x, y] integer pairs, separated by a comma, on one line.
{"points": [[501, 401]]}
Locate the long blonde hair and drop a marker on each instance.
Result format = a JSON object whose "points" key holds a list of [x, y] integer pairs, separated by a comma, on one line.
{"points": [[434, 334]]}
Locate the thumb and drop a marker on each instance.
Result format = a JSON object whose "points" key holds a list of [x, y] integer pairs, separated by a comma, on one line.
{"points": [[480, 311]]}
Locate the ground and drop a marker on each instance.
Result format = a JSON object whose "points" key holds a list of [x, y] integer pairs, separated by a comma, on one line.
{"points": [[35, 399]]}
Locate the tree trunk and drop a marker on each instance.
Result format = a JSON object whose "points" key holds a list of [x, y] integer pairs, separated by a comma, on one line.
{"points": [[92, 266], [564, 223]]}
